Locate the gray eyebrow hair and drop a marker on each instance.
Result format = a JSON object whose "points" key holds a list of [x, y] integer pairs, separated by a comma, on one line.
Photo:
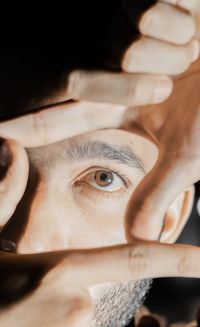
{"points": [[101, 150]]}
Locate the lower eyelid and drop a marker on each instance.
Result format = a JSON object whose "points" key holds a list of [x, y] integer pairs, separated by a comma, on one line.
{"points": [[82, 186]]}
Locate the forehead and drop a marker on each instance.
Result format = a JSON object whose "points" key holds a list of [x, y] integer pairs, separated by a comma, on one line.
{"points": [[140, 146]]}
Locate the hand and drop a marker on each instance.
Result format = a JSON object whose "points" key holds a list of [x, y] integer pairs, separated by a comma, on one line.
{"points": [[56, 284], [61, 122], [130, 71], [175, 128], [42, 128], [173, 43]]}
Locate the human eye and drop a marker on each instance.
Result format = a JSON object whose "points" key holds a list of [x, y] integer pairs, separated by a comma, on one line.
{"points": [[103, 180]]}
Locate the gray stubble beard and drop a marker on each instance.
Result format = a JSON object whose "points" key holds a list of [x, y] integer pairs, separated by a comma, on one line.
{"points": [[115, 304]]}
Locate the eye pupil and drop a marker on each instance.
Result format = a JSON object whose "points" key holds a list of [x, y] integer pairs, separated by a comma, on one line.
{"points": [[103, 178]]}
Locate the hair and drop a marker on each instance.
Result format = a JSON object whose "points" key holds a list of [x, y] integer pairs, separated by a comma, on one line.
{"points": [[115, 304]]}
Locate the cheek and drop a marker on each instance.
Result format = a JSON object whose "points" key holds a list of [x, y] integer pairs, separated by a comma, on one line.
{"points": [[45, 229], [52, 223], [102, 219], [65, 219], [55, 226]]}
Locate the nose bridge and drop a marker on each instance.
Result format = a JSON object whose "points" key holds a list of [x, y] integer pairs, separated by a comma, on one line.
{"points": [[14, 230]]}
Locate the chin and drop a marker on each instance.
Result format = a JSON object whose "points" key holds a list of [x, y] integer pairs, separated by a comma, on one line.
{"points": [[115, 304]]}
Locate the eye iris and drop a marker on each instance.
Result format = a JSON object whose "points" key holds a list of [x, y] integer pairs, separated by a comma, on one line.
{"points": [[103, 178]]}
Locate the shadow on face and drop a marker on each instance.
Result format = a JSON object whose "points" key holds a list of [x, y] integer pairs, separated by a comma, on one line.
{"points": [[76, 197], [78, 191]]}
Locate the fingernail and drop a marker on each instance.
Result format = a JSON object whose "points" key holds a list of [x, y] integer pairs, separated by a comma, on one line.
{"points": [[5, 158], [148, 321], [196, 50], [198, 318], [163, 89]]}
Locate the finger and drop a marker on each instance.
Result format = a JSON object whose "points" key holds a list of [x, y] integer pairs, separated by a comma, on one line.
{"points": [[148, 205], [155, 23], [60, 122], [126, 89], [121, 263], [190, 5], [145, 56], [71, 119], [13, 185], [132, 262]]}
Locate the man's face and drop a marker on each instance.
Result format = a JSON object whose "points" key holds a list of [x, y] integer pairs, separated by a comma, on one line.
{"points": [[76, 197], [84, 185]]}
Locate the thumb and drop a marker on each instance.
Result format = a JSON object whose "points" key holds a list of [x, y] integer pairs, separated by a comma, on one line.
{"points": [[148, 205], [13, 177]]}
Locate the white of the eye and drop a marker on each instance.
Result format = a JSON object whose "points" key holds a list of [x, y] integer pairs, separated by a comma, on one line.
{"points": [[116, 184]]}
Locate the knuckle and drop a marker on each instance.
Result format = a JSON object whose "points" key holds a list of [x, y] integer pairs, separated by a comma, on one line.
{"points": [[188, 264], [130, 91], [137, 260], [183, 265]]}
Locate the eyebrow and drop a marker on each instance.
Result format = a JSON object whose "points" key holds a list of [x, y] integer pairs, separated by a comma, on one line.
{"points": [[99, 150]]}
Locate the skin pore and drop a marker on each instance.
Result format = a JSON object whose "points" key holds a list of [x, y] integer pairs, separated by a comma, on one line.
{"points": [[76, 198]]}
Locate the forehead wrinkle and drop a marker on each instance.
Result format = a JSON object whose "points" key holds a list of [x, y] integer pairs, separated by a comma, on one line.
{"points": [[84, 150]]}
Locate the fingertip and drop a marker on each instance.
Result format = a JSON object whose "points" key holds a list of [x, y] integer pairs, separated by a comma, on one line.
{"points": [[163, 89]]}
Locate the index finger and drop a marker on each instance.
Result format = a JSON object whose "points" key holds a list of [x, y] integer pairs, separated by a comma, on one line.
{"points": [[133, 262], [122, 263], [60, 122]]}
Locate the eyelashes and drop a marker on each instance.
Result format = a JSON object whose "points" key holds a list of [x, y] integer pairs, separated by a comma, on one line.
{"points": [[106, 181]]}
